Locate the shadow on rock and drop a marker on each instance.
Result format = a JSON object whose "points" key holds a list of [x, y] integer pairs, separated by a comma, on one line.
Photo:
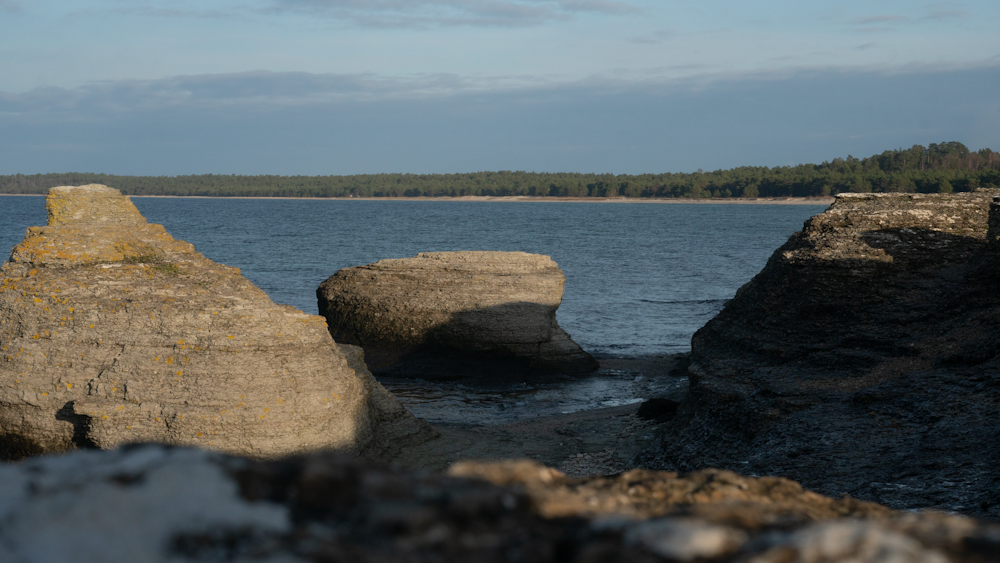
{"points": [[861, 360]]}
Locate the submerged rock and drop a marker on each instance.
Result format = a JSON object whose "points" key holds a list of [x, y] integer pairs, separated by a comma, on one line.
{"points": [[113, 332], [861, 360], [154, 503], [451, 314]]}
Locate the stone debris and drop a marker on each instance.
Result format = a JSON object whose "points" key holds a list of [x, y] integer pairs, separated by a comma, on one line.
{"points": [[451, 314], [596, 463], [862, 360], [161, 504], [112, 332]]}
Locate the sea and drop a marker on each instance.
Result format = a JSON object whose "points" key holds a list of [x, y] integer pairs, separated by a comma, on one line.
{"points": [[641, 277]]}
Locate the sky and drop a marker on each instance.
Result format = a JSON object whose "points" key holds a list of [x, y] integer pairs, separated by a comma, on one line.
{"points": [[288, 87]]}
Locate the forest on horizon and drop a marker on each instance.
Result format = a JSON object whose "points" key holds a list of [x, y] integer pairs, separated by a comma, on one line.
{"points": [[939, 168]]}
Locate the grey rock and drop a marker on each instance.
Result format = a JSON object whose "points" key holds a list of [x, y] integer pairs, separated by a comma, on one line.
{"points": [[156, 504], [451, 314], [112, 332], [679, 539], [861, 360], [857, 542]]}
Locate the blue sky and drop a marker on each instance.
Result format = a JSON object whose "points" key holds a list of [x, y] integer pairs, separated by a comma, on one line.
{"points": [[364, 86]]}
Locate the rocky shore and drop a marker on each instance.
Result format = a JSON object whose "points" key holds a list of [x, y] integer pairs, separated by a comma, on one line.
{"points": [[152, 503], [112, 332], [861, 362]]}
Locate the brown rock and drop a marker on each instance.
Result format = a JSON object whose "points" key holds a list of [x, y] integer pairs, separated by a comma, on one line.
{"points": [[448, 314], [152, 503], [861, 360], [113, 332]]}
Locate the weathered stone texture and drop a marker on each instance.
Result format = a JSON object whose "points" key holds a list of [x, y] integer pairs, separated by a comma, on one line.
{"points": [[113, 332], [155, 504], [861, 360], [439, 306]]}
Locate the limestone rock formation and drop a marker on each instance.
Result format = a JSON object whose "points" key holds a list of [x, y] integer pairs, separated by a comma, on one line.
{"points": [[113, 332], [454, 314], [152, 503], [861, 360]]}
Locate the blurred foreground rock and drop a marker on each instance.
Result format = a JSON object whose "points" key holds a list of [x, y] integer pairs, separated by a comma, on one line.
{"points": [[861, 360], [154, 503], [454, 314], [113, 332]]}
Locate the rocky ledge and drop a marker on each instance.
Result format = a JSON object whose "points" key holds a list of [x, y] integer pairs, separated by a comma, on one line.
{"points": [[113, 332], [153, 503], [861, 360], [454, 314]]}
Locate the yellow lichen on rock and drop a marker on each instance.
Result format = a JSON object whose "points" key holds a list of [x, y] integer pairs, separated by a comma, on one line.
{"points": [[96, 280]]}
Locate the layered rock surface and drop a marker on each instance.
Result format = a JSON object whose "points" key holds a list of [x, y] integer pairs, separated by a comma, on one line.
{"points": [[861, 360], [152, 503], [113, 332], [454, 314]]}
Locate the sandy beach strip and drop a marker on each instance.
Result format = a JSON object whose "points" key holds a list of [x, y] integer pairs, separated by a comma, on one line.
{"points": [[531, 199]]}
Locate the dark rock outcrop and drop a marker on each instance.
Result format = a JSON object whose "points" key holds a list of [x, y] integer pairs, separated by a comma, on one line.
{"points": [[861, 360], [454, 314], [154, 503], [113, 332]]}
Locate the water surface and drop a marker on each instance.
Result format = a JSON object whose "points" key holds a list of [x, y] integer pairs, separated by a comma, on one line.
{"points": [[640, 278]]}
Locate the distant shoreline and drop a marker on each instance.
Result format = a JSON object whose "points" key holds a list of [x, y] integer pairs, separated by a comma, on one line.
{"points": [[530, 199]]}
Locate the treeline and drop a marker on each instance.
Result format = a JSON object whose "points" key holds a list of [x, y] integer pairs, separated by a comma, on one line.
{"points": [[939, 168]]}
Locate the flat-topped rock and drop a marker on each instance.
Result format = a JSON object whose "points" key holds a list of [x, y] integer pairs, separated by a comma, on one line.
{"points": [[861, 360], [113, 332], [445, 314]]}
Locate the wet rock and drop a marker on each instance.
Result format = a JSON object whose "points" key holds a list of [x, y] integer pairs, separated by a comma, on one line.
{"points": [[454, 314], [155, 503], [861, 360], [113, 332]]}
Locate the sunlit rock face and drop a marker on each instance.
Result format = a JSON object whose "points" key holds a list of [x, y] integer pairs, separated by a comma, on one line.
{"points": [[442, 314], [113, 332], [861, 360]]}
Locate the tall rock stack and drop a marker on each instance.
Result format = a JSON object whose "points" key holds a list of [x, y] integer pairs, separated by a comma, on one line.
{"points": [[863, 359], [451, 314], [113, 332]]}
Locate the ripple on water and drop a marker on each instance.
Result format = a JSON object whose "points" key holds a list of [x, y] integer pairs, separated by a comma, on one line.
{"points": [[451, 402]]}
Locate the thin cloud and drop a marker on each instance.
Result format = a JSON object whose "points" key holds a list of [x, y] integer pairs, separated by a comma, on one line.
{"points": [[870, 20], [938, 15], [271, 91], [253, 91], [11, 7], [655, 37], [450, 13], [866, 46], [151, 12]]}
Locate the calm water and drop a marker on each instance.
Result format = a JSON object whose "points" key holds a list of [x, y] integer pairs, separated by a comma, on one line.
{"points": [[640, 278]]}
